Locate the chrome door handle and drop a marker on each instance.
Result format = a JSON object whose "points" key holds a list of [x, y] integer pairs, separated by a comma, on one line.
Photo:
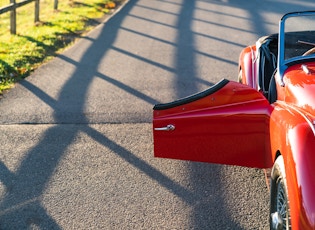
{"points": [[167, 128]]}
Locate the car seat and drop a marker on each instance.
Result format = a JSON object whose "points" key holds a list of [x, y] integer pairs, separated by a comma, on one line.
{"points": [[267, 61]]}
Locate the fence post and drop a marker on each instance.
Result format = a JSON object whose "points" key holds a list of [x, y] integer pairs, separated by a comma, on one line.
{"points": [[56, 5], [13, 18], [36, 11]]}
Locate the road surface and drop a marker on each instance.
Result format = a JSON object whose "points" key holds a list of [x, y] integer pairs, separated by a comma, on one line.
{"points": [[75, 136]]}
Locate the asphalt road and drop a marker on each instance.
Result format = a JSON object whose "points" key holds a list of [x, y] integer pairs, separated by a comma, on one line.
{"points": [[75, 137]]}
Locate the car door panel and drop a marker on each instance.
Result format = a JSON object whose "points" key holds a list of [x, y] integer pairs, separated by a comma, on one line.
{"points": [[230, 125]]}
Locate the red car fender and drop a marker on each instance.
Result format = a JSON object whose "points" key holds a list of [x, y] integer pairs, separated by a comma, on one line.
{"points": [[293, 137], [248, 66]]}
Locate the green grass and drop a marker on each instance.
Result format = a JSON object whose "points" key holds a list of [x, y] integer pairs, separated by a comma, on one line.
{"points": [[34, 44]]}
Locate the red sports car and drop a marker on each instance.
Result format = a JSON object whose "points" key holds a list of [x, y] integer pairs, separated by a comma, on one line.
{"points": [[266, 120]]}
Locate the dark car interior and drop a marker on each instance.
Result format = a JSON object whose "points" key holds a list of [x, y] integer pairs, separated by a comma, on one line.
{"points": [[296, 44], [268, 55]]}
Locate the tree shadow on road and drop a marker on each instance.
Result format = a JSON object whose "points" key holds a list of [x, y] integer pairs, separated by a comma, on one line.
{"points": [[21, 206]]}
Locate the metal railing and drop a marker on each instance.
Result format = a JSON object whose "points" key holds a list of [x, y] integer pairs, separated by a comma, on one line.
{"points": [[14, 5]]}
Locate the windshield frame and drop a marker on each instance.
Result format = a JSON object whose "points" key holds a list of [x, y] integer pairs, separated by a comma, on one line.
{"points": [[283, 63]]}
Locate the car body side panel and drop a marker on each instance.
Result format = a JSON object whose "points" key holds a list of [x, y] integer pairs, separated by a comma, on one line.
{"points": [[292, 136], [300, 86], [230, 126]]}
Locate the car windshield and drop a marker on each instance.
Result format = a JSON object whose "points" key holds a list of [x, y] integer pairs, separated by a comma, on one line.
{"points": [[299, 35]]}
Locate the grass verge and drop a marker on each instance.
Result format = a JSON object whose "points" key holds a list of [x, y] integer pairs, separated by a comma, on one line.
{"points": [[34, 44]]}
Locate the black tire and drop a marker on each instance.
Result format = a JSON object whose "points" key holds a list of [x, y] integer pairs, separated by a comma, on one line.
{"points": [[280, 217]]}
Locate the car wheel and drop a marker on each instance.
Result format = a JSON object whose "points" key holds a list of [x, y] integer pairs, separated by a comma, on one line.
{"points": [[279, 203]]}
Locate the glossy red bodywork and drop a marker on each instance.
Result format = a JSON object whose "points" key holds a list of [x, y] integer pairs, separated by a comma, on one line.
{"points": [[237, 125], [292, 135], [297, 146], [216, 128], [247, 66]]}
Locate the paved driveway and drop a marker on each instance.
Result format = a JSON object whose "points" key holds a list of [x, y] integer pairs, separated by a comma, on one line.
{"points": [[75, 137]]}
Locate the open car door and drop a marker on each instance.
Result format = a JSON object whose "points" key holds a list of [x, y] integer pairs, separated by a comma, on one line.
{"points": [[225, 124]]}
